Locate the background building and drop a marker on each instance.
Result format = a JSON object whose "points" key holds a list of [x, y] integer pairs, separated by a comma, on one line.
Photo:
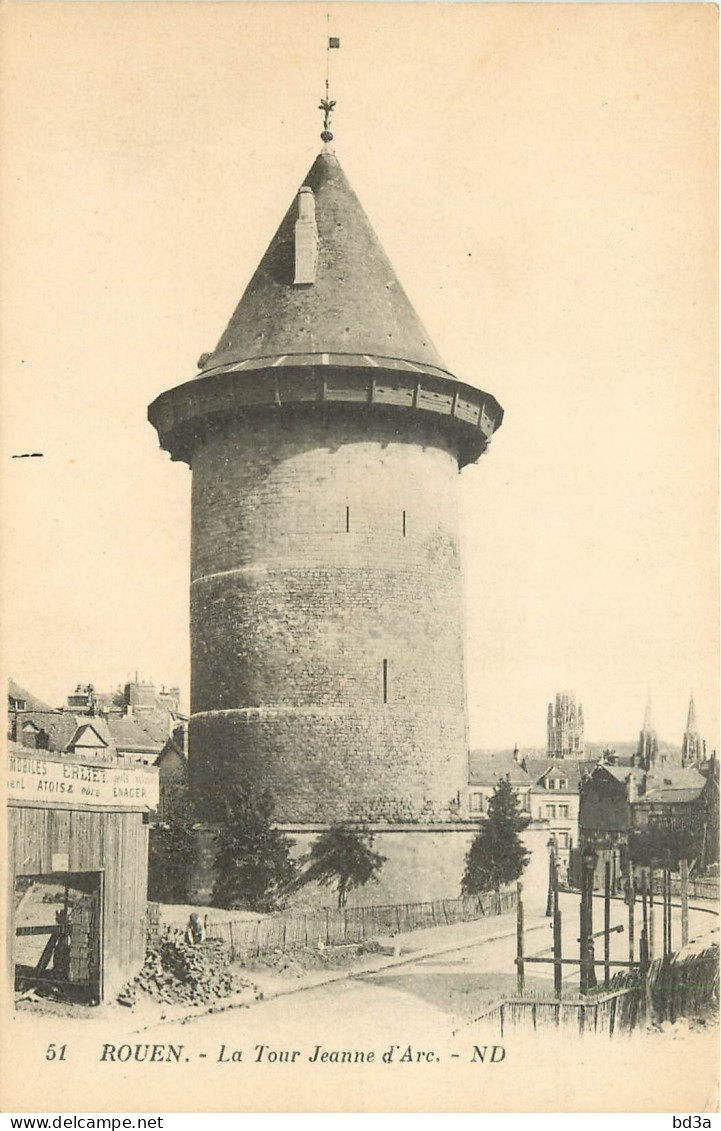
{"points": [[565, 727]]}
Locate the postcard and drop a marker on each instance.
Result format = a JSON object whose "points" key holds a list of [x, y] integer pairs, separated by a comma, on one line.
{"points": [[360, 558]]}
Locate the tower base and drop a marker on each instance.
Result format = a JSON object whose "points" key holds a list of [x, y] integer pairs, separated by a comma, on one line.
{"points": [[423, 863]]}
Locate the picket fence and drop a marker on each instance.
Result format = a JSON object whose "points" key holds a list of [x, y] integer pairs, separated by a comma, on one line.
{"points": [[674, 987], [336, 927]]}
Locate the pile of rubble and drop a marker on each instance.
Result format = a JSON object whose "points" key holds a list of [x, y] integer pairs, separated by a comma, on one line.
{"points": [[176, 972]]}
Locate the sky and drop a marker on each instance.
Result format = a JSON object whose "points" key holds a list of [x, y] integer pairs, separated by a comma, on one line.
{"points": [[543, 178]]}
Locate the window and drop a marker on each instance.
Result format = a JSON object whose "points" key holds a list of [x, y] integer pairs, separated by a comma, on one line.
{"points": [[385, 681], [347, 520], [404, 524], [562, 783], [551, 812], [563, 810], [476, 802], [562, 840], [551, 783]]}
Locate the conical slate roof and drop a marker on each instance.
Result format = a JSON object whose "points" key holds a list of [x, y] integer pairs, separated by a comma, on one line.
{"points": [[355, 306]]}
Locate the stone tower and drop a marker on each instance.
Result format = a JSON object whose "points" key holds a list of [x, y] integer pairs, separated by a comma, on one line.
{"points": [[565, 727], [647, 752], [692, 750], [325, 437]]}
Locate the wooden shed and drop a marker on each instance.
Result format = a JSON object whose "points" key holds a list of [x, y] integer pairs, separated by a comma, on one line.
{"points": [[78, 869]]}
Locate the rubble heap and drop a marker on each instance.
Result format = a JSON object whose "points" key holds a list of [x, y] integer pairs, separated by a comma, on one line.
{"points": [[176, 972]]}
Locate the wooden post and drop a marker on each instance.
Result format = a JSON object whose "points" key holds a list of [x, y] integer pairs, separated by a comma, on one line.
{"points": [[631, 911], [651, 945], [684, 902], [583, 935], [644, 989], [587, 972], [665, 912], [557, 936], [551, 869], [668, 914], [521, 979], [607, 925]]}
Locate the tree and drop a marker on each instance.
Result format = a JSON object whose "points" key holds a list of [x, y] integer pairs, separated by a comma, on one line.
{"points": [[343, 856], [172, 848], [253, 866], [497, 855], [661, 846]]}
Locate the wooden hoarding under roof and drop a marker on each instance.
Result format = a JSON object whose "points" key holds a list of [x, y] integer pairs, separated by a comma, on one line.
{"points": [[68, 783]]}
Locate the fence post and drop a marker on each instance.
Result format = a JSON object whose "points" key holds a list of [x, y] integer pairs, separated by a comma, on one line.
{"points": [[631, 912], [651, 944], [557, 934], [519, 938], [607, 925], [684, 902]]}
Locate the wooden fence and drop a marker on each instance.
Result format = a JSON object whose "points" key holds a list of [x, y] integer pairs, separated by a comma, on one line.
{"points": [[699, 887], [673, 988], [330, 927]]}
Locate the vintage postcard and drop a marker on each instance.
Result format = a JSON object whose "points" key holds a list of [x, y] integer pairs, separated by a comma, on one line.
{"points": [[360, 558]]}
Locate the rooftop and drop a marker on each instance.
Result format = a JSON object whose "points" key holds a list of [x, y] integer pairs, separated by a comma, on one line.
{"points": [[355, 304]]}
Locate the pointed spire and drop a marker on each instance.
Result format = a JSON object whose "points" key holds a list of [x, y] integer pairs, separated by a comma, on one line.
{"points": [[691, 725], [648, 717]]}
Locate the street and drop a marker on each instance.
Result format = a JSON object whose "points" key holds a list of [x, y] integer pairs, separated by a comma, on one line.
{"points": [[340, 1046], [442, 992]]}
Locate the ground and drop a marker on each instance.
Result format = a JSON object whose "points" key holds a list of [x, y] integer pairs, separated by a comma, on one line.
{"points": [[428, 999]]}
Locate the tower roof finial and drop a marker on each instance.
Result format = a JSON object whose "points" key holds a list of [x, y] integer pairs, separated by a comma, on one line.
{"points": [[327, 104]]}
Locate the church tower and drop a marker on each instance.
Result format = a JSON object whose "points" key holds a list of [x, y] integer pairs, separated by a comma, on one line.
{"points": [[692, 750], [325, 437], [647, 752], [564, 727]]}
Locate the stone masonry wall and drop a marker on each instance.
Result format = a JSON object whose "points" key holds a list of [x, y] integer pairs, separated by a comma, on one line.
{"points": [[326, 617]]}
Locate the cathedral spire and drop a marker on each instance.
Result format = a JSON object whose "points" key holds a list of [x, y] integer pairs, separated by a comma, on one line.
{"points": [[648, 714], [647, 752], [692, 746]]}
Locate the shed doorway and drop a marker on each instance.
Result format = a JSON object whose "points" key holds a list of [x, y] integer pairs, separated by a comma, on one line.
{"points": [[58, 919]]}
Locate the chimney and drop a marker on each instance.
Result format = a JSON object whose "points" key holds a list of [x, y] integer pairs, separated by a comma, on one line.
{"points": [[631, 789], [306, 238]]}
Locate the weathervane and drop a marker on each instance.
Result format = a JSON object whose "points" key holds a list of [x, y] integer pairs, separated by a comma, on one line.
{"points": [[327, 104]]}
